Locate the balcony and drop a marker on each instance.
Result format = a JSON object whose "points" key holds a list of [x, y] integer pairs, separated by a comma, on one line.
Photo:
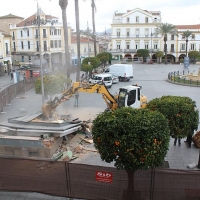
{"points": [[130, 50], [156, 21], [36, 36], [172, 50], [117, 21]]}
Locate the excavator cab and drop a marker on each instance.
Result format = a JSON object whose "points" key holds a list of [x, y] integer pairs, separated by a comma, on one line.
{"points": [[129, 96]]}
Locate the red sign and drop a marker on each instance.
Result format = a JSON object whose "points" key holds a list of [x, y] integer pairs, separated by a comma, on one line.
{"points": [[103, 177]]}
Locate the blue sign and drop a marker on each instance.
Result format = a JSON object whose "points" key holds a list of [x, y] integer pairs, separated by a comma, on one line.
{"points": [[186, 62]]}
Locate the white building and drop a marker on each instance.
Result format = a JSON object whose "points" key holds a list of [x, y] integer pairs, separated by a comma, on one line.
{"points": [[25, 40], [136, 29]]}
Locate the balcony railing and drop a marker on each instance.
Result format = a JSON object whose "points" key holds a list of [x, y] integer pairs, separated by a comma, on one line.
{"points": [[36, 36], [44, 36], [172, 50]]}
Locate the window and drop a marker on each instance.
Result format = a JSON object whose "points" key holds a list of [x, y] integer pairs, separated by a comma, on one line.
{"points": [[55, 44], [127, 19], [37, 46], [51, 43], [146, 46], [29, 46], [14, 48], [29, 58], [59, 43], [172, 37], [22, 44], [192, 47], [146, 20], [118, 45], [44, 33], [36, 33], [131, 97], [21, 33], [90, 49], [13, 35], [45, 45], [137, 46], [183, 36], [118, 33], [6, 48], [172, 47], [146, 32], [182, 46], [128, 45], [28, 33], [137, 19], [55, 32], [137, 32], [85, 49], [193, 36], [22, 58], [155, 46], [128, 33]]}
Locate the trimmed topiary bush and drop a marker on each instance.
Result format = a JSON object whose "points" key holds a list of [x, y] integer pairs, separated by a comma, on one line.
{"points": [[181, 112], [132, 138]]}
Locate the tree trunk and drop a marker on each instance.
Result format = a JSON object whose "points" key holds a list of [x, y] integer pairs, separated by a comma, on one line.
{"points": [[165, 49], [93, 24], [130, 193], [78, 41], [63, 5], [186, 46]]}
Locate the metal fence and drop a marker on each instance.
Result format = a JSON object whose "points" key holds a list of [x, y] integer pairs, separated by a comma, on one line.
{"points": [[185, 77], [11, 92], [96, 182]]}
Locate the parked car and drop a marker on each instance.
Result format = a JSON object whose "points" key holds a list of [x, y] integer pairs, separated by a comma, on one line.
{"points": [[104, 78], [115, 79]]}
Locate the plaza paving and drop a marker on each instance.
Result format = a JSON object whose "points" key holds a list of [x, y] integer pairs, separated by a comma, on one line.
{"points": [[152, 78]]}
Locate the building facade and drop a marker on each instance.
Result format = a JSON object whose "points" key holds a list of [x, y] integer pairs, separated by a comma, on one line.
{"points": [[5, 39], [136, 29], [86, 48], [28, 36]]}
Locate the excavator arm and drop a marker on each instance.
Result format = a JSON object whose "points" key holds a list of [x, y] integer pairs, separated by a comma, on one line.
{"points": [[110, 100]]}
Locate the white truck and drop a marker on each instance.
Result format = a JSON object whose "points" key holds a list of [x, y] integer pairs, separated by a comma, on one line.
{"points": [[123, 71]]}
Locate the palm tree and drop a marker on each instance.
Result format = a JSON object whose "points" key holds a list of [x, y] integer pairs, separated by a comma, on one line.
{"points": [[164, 29], [78, 40], [63, 4], [93, 24], [187, 34]]}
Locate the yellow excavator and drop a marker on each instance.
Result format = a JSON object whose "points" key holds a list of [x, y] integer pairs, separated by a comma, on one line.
{"points": [[128, 96]]}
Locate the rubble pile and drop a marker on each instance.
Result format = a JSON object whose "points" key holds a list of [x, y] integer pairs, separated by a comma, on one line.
{"points": [[75, 145]]}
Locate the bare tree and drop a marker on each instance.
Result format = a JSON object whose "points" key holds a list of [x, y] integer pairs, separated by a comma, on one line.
{"points": [[63, 4], [77, 40]]}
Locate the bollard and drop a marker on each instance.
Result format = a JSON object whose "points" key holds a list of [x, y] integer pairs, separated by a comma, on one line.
{"points": [[199, 161]]}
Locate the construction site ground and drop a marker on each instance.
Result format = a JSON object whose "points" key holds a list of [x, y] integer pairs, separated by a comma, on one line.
{"points": [[152, 78]]}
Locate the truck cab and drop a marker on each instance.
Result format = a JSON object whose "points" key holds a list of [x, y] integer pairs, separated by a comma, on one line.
{"points": [[130, 96]]}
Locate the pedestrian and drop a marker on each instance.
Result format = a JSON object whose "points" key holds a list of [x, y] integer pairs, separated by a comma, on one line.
{"points": [[11, 75], [179, 141], [76, 99], [189, 141]]}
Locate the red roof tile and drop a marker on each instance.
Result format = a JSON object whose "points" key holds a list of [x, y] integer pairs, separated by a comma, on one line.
{"points": [[193, 26]]}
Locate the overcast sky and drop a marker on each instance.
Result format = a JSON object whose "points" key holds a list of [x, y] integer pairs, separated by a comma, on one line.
{"points": [[176, 12]]}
